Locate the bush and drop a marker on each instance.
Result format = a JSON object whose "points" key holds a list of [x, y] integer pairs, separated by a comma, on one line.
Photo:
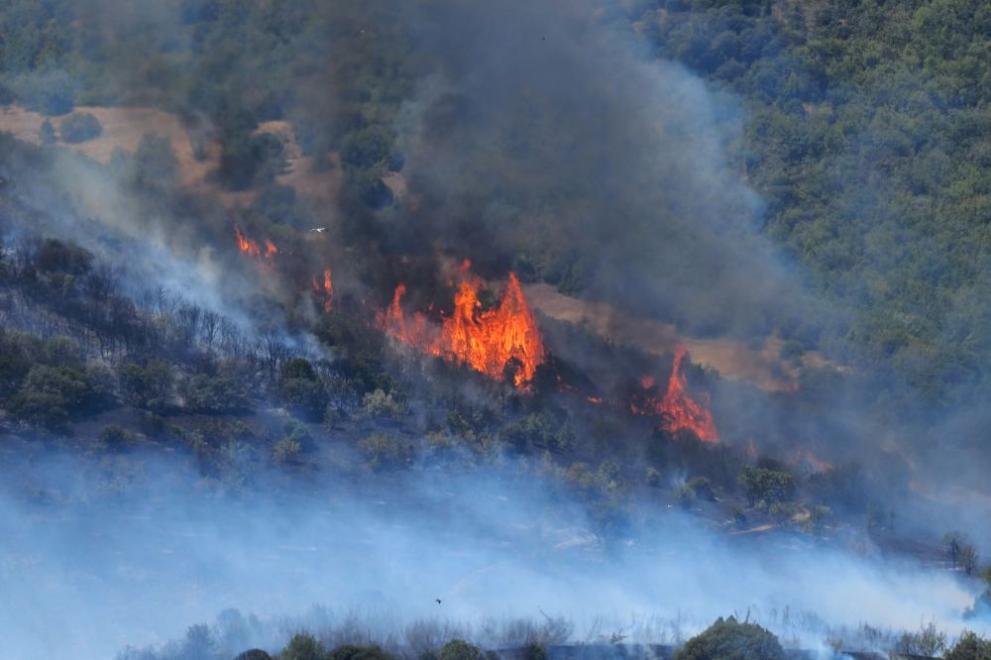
{"points": [[54, 256], [352, 652], [366, 148], [253, 654], [696, 488], [116, 436], [961, 552], [458, 649], [926, 642], [214, 394], [765, 487], [970, 646], [303, 646], [727, 639], [80, 127], [380, 404], [385, 451], [51, 395], [286, 450], [148, 386], [301, 389]]}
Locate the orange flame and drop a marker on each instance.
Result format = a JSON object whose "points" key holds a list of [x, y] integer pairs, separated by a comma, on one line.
{"points": [[325, 289], [245, 244], [487, 341], [677, 410], [251, 248]]}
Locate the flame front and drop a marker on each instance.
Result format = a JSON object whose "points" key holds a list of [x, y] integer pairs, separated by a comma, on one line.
{"points": [[325, 289], [251, 247], [487, 341], [245, 244], [677, 409]]}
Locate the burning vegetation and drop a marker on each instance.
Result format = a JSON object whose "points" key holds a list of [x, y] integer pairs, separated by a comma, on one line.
{"points": [[252, 248], [323, 289], [493, 341], [677, 409]]}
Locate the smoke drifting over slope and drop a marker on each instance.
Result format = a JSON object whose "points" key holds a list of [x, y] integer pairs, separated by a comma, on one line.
{"points": [[541, 140], [544, 137], [139, 554]]}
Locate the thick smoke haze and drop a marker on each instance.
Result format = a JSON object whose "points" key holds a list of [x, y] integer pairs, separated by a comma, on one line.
{"points": [[540, 137], [546, 137], [108, 553]]}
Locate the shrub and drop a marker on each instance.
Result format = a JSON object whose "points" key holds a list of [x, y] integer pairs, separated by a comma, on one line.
{"points": [[928, 641], [54, 256], [366, 148], [970, 646], [51, 395], [303, 646], [385, 451], [286, 450], [80, 127], [458, 649], [765, 486], [214, 394], [696, 488], [253, 654], [378, 403], [352, 652], [727, 639], [302, 390], [148, 386], [961, 552], [116, 436]]}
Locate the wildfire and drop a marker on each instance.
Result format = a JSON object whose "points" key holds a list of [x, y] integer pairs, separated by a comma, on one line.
{"points": [[245, 244], [325, 289], [252, 248], [677, 409], [487, 341]]}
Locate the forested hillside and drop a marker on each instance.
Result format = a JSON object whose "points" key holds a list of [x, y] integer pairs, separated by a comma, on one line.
{"points": [[866, 132], [385, 286], [868, 138]]}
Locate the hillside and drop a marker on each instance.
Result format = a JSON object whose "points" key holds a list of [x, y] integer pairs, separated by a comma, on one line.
{"points": [[656, 299]]}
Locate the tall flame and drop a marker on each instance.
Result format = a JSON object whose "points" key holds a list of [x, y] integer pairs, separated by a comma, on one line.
{"points": [[251, 247], [487, 341], [325, 289], [677, 409], [245, 244]]}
